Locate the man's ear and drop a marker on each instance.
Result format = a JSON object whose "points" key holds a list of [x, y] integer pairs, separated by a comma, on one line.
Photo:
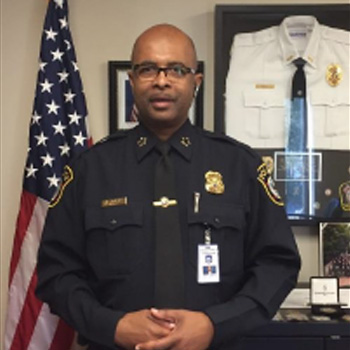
{"points": [[198, 78]]}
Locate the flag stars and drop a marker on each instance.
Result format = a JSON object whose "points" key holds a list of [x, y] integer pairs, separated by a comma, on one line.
{"points": [[74, 118], [68, 45], [53, 107], [31, 171], [35, 118], [42, 66], [75, 66], [46, 86], [50, 34], [41, 139], [63, 76], [69, 96], [79, 139], [59, 128], [57, 55], [53, 181], [64, 22], [64, 149], [47, 160], [59, 3]]}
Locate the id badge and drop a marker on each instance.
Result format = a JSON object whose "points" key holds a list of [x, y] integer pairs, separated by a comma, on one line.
{"points": [[208, 263]]}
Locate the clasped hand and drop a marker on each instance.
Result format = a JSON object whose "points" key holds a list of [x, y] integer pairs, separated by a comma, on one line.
{"points": [[164, 330]]}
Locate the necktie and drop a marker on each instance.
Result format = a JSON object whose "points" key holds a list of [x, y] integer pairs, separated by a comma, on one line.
{"points": [[169, 274], [296, 188], [297, 136]]}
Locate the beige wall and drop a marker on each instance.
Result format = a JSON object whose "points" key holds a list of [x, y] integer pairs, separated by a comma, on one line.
{"points": [[102, 30]]}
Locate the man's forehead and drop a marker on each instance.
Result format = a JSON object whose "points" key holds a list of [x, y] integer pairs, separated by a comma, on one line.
{"points": [[160, 41]]}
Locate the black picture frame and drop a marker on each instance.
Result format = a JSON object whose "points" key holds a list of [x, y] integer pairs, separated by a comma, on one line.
{"points": [[233, 19], [334, 255], [121, 100]]}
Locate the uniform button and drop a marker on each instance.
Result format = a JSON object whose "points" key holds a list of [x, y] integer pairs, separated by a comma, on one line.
{"points": [[113, 222]]}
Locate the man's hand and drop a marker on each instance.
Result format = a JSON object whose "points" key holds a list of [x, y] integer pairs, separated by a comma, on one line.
{"points": [[192, 331], [141, 326]]}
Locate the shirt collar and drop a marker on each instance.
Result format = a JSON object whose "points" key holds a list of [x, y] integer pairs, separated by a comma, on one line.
{"points": [[289, 50], [182, 141]]}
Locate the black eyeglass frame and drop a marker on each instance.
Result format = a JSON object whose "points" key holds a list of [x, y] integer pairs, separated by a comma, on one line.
{"points": [[165, 70]]}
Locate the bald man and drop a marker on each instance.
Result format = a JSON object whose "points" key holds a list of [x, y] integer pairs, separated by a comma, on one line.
{"points": [[98, 262]]}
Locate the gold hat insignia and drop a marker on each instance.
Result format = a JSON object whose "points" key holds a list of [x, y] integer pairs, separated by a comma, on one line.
{"points": [[334, 74], [214, 183]]}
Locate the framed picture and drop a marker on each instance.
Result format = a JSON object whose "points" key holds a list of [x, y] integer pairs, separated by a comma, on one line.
{"points": [[255, 46], [122, 111], [334, 243]]}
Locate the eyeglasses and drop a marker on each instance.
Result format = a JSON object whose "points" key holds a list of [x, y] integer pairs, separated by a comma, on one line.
{"points": [[151, 71]]}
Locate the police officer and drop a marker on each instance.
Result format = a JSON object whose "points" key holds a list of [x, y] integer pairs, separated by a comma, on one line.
{"points": [[98, 264]]}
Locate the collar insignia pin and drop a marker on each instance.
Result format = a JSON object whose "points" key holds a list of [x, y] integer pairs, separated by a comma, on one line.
{"points": [[185, 141], [142, 141]]}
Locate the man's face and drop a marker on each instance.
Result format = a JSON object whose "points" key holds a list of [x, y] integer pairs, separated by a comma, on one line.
{"points": [[162, 101]]}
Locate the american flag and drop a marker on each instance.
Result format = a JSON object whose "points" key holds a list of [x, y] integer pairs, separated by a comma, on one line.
{"points": [[57, 133]]}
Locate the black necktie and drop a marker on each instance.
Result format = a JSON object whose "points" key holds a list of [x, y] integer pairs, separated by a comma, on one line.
{"points": [[297, 137], [296, 188], [169, 271]]}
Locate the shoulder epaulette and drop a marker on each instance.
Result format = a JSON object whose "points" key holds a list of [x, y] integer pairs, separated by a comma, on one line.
{"points": [[116, 135], [228, 139], [336, 34], [256, 38]]}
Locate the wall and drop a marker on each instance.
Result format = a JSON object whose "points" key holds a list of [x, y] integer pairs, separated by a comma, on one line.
{"points": [[102, 30]]}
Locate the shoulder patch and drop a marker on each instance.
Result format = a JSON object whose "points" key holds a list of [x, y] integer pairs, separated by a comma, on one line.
{"points": [[67, 177], [264, 177]]}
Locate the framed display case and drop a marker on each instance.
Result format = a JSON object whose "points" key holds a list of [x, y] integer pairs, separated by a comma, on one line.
{"points": [[122, 111], [334, 243], [254, 53]]}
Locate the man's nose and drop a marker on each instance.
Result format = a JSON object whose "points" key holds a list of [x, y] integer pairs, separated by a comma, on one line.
{"points": [[161, 79]]}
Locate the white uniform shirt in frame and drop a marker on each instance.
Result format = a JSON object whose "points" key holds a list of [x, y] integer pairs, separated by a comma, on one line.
{"points": [[258, 84]]}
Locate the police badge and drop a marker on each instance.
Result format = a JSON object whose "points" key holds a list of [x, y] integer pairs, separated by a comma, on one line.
{"points": [[214, 183], [334, 74]]}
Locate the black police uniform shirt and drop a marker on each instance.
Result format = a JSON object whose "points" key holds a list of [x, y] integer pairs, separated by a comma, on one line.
{"points": [[96, 259]]}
